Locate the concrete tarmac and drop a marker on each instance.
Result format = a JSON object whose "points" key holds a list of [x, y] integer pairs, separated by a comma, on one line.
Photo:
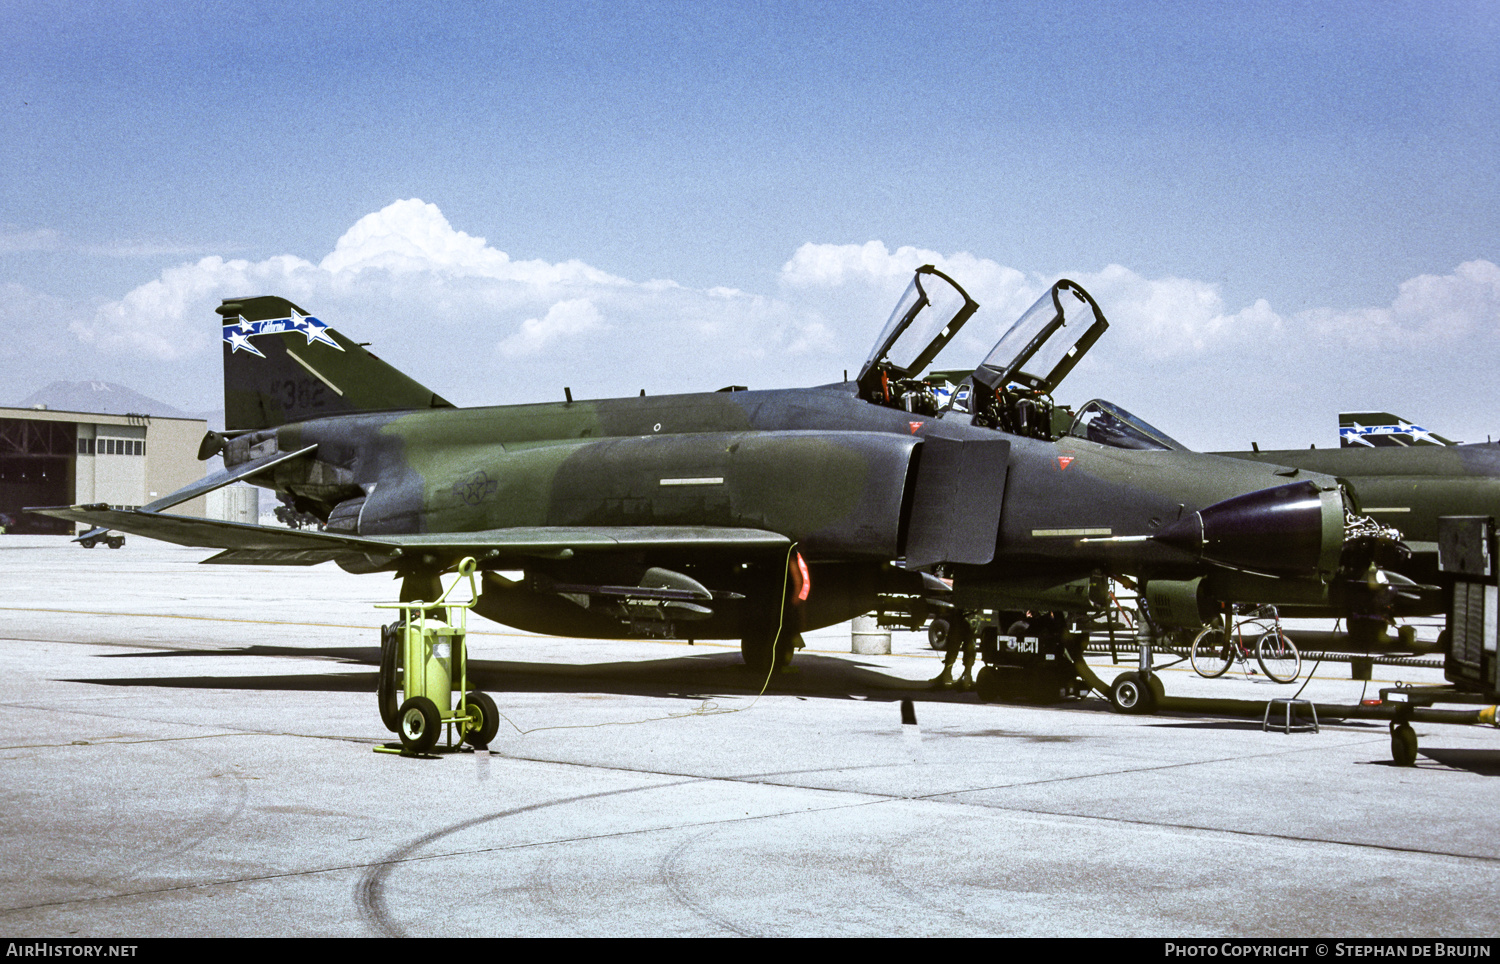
{"points": [[187, 750]]}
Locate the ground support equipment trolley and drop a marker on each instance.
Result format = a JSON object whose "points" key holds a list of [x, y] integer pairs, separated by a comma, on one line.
{"points": [[1471, 579], [423, 655]]}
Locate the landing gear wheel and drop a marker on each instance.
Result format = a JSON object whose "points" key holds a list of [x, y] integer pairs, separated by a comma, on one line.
{"points": [[1404, 745], [1132, 694], [420, 725], [937, 634], [759, 653], [987, 685], [762, 649], [385, 686], [1212, 654], [484, 720]]}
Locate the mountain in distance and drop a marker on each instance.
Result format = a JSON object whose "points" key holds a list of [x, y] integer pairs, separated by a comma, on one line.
{"points": [[110, 399]]}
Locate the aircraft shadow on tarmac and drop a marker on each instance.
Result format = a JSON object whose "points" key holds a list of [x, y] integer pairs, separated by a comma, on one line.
{"points": [[687, 677], [679, 677], [1485, 763]]}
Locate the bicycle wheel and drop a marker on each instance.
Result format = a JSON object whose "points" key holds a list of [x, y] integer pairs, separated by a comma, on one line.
{"points": [[1212, 654], [1277, 656]]}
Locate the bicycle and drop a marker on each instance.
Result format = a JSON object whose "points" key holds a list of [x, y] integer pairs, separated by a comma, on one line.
{"points": [[1213, 653]]}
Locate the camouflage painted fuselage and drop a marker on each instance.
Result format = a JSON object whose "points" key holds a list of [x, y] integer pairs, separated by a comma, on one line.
{"points": [[846, 481], [704, 515]]}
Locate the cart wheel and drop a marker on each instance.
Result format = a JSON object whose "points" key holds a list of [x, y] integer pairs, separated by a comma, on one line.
{"points": [[420, 725], [937, 634], [1404, 745], [484, 720], [88, 543], [385, 686], [115, 542]]}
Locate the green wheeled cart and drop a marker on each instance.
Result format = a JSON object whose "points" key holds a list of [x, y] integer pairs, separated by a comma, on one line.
{"points": [[423, 657]]}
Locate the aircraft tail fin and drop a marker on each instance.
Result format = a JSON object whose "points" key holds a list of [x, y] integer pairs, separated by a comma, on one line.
{"points": [[1381, 430], [283, 365]]}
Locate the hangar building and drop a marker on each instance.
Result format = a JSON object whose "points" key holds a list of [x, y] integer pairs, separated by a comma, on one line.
{"points": [[65, 458]]}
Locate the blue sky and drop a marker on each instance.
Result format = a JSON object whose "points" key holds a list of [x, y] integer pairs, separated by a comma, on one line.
{"points": [[1285, 209]]}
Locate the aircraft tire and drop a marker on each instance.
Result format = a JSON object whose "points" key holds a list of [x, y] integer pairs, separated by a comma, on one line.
{"points": [[1404, 745], [1130, 694], [489, 720], [421, 724], [761, 648], [987, 685], [762, 651], [385, 686]]}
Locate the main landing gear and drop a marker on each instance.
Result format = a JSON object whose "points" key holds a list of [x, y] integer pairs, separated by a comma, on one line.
{"points": [[423, 655]]}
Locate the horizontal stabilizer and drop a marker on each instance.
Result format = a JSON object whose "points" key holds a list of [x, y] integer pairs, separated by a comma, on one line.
{"points": [[207, 484], [223, 477], [206, 533]]}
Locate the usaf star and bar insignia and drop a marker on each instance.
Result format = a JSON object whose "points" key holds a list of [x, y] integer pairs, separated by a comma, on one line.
{"points": [[238, 332]]}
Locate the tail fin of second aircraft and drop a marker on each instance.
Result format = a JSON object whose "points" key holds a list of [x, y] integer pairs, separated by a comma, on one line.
{"points": [[283, 365], [1382, 429]]}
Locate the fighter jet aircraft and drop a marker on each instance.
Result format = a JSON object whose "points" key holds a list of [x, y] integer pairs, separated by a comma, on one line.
{"points": [[1408, 478], [752, 515]]}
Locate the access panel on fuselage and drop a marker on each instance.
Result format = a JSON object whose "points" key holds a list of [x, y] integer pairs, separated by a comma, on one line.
{"points": [[955, 512]]}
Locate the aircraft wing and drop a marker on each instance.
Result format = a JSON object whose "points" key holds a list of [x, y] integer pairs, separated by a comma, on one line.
{"points": [[245, 544]]}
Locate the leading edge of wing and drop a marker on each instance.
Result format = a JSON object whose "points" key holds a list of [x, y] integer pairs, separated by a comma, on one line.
{"points": [[267, 545]]}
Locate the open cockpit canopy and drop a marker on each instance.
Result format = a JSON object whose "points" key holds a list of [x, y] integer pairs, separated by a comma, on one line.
{"points": [[1044, 344], [926, 318]]}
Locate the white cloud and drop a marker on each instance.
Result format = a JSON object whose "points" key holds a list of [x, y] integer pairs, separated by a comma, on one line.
{"points": [[566, 319], [873, 264], [480, 327], [411, 236], [153, 318], [1427, 309], [405, 278], [1172, 316]]}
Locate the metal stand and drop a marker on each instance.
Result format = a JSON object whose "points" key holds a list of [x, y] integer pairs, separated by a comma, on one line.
{"points": [[1291, 723]]}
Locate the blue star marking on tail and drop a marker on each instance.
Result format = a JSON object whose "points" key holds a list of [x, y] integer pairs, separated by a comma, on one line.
{"points": [[239, 332]]}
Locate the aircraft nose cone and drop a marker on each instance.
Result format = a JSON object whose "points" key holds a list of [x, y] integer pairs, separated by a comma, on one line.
{"points": [[1278, 530]]}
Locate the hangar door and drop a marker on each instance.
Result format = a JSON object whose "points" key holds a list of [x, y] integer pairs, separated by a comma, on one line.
{"points": [[36, 468]]}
